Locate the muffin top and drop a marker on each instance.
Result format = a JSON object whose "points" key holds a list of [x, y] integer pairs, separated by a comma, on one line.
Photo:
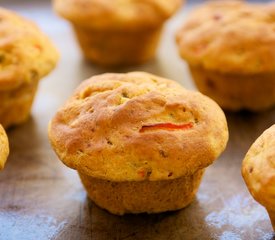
{"points": [[25, 52], [137, 126], [258, 168], [230, 37], [4, 147], [117, 14]]}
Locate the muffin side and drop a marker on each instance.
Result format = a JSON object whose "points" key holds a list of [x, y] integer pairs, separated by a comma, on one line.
{"points": [[115, 48], [234, 92], [4, 147], [154, 196]]}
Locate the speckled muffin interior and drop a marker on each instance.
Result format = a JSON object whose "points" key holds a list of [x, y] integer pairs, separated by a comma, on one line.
{"points": [[229, 47], [258, 170], [138, 133], [26, 55], [4, 147]]}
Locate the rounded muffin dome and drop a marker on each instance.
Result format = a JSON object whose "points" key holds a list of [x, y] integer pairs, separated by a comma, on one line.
{"points": [[230, 37], [115, 13], [25, 52], [137, 126]]}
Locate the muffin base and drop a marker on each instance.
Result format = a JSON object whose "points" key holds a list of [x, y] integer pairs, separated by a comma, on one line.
{"points": [[142, 196], [15, 104], [271, 214], [234, 92], [111, 48]]}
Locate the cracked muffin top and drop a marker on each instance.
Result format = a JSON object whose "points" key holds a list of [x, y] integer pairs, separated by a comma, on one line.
{"points": [[230, 37], [25, 52], [4, 147], [137, 126], [117, 14], [258, 168]]}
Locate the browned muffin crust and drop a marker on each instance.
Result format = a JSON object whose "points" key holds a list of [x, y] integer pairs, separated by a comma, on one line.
{"points": [[230, 37], [117, 14], [258, 169], [25, 52], [137, 126]]}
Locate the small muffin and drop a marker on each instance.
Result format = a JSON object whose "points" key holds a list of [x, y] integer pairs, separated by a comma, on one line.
{"points": [[114, 32], [26, 55], [4, 147], [230, 49], [140, 143], [258, 171]]}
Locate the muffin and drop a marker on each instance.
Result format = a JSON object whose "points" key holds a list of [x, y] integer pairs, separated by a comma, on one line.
{"points": [[258, 170], [26, 55], [114, 32], [229, 47], [4, 147], [140, 143]]}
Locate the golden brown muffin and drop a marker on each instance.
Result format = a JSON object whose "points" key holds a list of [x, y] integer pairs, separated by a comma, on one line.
{"points": [[139, 142], [258, 171], [229, 46], [114, 32], [4, 147], [26, 55]]}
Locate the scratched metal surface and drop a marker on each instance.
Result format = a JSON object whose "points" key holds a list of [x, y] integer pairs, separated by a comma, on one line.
{"points": [[42, 199]]}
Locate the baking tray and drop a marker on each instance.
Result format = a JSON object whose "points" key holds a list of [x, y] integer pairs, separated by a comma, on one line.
{"points": [[41, 199]]}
